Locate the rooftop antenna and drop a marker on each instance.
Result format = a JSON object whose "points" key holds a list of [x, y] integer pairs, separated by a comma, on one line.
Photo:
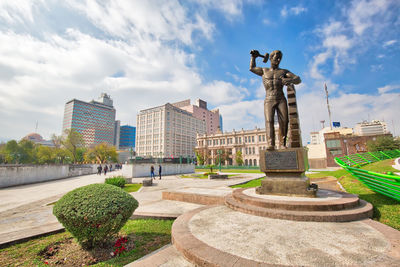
{"points": [[327, 103], [322, 123]]}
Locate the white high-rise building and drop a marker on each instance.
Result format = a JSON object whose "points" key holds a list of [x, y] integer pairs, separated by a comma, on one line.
{"points": [[374, 127], [167, 131]]}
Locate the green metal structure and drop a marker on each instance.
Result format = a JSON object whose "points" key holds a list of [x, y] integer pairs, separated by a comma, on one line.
{"points": [[386, 184]]}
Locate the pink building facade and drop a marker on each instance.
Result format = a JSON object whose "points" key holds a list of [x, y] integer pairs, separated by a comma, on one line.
{"points": [[200, 111]]}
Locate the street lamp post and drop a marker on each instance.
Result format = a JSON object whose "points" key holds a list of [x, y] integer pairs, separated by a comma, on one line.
{"points": [[219, 156]]}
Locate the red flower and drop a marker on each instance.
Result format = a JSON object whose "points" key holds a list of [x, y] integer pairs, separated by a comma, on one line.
{"points": [[46, 262]]}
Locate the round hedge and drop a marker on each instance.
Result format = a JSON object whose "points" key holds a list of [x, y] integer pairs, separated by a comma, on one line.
{"points": [[94, 213]]}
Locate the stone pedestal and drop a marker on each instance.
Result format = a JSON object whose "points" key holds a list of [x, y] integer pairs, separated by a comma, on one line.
{"points": [[284, 170]]}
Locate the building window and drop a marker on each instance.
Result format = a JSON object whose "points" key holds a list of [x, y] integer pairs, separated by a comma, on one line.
{"points": [[255, 162], [336, 151], [259, 138], [254, 150], [333, 143], [245, 139], [247, 151], [252, 139]]}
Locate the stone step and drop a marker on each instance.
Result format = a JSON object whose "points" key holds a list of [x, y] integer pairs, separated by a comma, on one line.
{"points": [[326, 200], [363, 211]]}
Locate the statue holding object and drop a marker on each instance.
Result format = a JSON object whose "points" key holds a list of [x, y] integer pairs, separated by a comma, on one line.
{"points": [[274, 78]]}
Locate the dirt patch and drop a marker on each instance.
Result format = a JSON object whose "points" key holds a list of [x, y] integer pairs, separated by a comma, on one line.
{"points": [[69, 253]]}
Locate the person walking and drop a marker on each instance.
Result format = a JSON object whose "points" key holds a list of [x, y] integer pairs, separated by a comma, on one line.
{"points": [[105, 169], [159, 171], [99, 169], [110, 167], [152, 172]]}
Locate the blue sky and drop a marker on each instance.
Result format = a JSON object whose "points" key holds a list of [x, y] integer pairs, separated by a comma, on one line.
{"points": [[147, 53]]}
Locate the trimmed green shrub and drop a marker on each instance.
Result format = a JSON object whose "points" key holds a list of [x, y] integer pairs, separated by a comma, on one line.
{"points": [[116, 180], [93, 214]]}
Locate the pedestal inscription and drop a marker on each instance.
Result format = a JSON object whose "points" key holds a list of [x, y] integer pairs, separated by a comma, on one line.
{"points": [[278, 160]]}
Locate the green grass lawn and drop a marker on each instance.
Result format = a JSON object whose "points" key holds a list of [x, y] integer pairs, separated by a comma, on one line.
{"points": [[148, 235], [386, 210], [252, 183], [231, 170], [132, 187]]}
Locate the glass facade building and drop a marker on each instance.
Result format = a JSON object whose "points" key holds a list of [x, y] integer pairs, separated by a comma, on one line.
{"points": [[94, 120], [127, 137]]}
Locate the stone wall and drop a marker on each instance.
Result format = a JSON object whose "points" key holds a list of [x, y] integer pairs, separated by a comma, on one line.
{"points": [[12, 175], [143, 170]]}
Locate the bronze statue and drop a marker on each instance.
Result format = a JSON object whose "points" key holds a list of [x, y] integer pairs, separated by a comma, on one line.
{"points": [[274, 79]]}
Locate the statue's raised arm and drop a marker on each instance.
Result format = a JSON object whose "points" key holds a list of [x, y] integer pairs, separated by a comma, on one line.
{"points": [[253, 68]]}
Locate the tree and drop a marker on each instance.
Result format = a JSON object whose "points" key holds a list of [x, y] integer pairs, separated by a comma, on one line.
{"points": [[239, 158], [200, 158], [61, 155], [57, 140], [72, 141], [21, 152], [101, 153], [383, 143], [26, 151], [45, 155]]}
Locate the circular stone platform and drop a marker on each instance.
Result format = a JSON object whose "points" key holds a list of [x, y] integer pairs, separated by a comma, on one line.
{"points": [[219, 236], [328, 206]]}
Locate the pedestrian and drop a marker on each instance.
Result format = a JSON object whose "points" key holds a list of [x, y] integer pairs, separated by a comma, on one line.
{"points": [[105, 169], [110, 167], [99, 169], [152, 172], [159, 170]]}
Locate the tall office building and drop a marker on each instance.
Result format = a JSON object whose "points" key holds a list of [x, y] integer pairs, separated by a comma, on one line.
{"points": [[94, 120], [127, 137], [167, 131], [199, 110]]}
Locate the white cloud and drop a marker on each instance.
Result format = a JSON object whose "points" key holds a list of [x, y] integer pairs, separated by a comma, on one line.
{"points": [[14, 12], [143, 40], [389, 43], [285, 11], [342, 41], [249, 113], [363, 14], [388, 88], [349, 109]]}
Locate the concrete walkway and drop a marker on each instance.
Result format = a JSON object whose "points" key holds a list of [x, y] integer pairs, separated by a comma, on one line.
{"points": [[25, 210], [396, 164]]}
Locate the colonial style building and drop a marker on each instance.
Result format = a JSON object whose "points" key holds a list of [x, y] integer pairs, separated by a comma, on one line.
{"points": [[229, 145]]}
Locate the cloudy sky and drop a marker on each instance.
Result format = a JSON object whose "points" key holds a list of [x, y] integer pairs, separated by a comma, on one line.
{"points": [[147, 53]]}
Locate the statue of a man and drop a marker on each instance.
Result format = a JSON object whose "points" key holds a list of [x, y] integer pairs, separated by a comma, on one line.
{"points": [[274, 79]]}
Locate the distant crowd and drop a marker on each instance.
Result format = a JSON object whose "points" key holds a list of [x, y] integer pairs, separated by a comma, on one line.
{"points": [[108, 168]]}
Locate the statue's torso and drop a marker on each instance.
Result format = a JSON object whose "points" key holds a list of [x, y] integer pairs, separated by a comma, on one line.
{"points": [[272, 80]]}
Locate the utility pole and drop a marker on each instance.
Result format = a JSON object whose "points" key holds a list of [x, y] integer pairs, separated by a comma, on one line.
{"points": [[36, 127], [329, 109]]}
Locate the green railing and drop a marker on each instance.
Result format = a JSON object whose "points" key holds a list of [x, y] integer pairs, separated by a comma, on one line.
{"points": [[386, 184]]}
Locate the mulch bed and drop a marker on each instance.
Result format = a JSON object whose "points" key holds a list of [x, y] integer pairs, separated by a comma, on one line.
{"points": [[69, 253]]}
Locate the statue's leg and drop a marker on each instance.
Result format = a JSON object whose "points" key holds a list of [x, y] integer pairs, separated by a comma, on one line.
{"points": [[269, 112], [283, 119]]}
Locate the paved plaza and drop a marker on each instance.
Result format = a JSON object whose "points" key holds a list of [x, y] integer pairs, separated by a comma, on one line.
{"points": [[27, 210]]}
